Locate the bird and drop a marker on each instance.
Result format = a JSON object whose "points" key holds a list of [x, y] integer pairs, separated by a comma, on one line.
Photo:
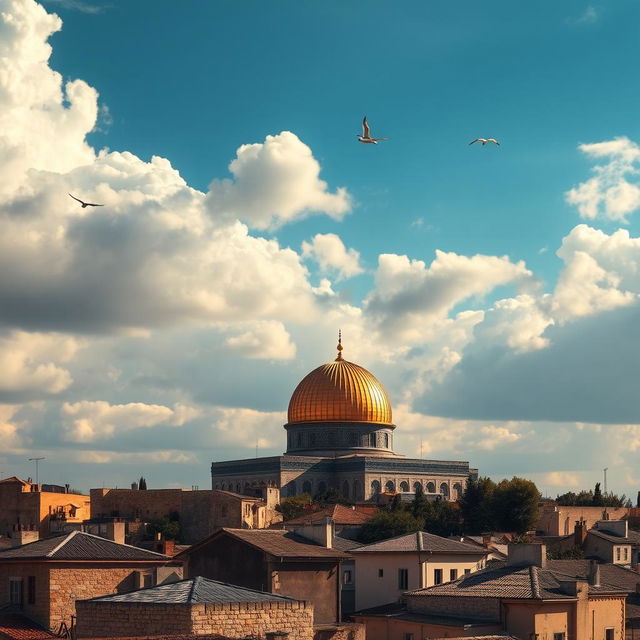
{"points": [[86, 204], [485, 140], [366, 134]]}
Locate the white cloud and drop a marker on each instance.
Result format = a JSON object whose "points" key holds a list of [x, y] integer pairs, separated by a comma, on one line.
{"points": [[562, 479], [30, 364], [614, 191], [589, 16], [87, 421], [248, 427], [328, 250], [273, 183], [263, 340]]}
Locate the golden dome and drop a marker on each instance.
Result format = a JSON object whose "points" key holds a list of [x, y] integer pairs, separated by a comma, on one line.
{"points": [[340, 391]]}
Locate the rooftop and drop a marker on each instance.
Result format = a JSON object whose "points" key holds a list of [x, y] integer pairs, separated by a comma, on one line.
{"points": [[421, 541], [527, 583], [17, 627], [196, 590], [340, 514], [78, 545]]}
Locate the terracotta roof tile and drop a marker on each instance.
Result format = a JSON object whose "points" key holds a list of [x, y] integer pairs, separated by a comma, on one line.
{"points": [[340, 514], [16, 627]]}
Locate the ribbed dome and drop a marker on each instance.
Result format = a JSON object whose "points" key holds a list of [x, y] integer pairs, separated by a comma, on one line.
{"points": [[340, 391]]}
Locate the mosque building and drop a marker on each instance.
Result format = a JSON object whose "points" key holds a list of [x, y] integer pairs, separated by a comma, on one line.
{"points": [[340, 435]]}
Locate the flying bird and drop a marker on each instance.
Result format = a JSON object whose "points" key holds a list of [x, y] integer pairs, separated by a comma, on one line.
{"points": [[485, 140], [366, 134], [86, 204]]}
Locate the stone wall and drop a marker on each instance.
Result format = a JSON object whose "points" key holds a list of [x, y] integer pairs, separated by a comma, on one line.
{"points": [[235, 620]]}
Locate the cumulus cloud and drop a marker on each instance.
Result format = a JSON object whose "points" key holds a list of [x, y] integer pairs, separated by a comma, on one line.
{"points": [[328, 250], [264, 340], [275, 182], [87, 421], [30, 364], [614, 190], [248, 427], [410, 296]]}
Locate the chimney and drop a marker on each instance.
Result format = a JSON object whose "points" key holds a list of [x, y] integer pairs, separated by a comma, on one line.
{"points": [[169, 548], [24, 536], [527, 555], [594, 573], [327, 533], [579, 533], [486, 539], [134, 486], [116, 532]]}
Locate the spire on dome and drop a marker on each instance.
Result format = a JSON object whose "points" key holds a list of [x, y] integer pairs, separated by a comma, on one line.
{"points": [[339, 347]]}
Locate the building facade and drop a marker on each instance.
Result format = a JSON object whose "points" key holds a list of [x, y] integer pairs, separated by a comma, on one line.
{"points": [[340, 435]]}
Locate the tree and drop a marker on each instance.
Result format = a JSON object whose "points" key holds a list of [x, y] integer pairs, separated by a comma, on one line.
{"points": [[295, 506], [330, 496], [420, 507], [516, 504], [444, 519], [396, 503], [476, 506], [142, 484], [167, 526], [597, 496], [388, 524]]}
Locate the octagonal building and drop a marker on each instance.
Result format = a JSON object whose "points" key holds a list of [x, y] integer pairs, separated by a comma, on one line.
{"points": [[340, 435]]}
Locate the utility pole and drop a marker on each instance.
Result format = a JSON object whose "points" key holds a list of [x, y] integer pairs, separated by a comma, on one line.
{"points": [[605, 480], [36, 460]]}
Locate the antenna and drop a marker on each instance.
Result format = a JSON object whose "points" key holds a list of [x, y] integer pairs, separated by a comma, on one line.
{"points": [[36, 460]]}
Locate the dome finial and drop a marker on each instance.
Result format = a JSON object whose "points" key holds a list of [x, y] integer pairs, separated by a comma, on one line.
{"points": [[339, 347]]}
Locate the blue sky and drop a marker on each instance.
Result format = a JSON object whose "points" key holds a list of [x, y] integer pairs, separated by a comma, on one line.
{"points": [[135, 335]]}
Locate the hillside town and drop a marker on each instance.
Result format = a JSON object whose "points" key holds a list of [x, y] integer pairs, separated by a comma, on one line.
{"points": [[340, 538]]}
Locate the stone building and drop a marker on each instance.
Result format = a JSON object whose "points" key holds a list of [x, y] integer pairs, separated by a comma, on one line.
{"points": [[42, 580], [340, 434], [27, 506], [194, 607], [558, 520], [200, 512], [271, 560]]}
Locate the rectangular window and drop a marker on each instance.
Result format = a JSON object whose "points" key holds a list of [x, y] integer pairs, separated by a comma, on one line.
{"points": [[453, 574], [380, 573], [31, 590], [626, 553], [403, 579], [15, 591], [408, 636], [347, 577], [609, 634], [618, 554], [559, 635], [467, 572], [437, 576]]}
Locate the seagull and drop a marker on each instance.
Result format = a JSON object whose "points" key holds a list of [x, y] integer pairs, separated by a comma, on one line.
{"points": [[366, 134], [86, 204], [485, 140]]}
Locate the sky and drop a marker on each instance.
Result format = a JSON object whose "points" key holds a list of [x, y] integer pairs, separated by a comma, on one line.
{"points": [[493, 290]]}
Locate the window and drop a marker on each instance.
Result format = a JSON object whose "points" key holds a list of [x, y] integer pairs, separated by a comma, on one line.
{"points": [[380, 573], [407, 636], [467, 572], [386, 440], [312, 439], [560, 635], [31, 590], [403, 579], [15, 591], [437, 576], [618, 554], [347, 577], [453, 574], [609, 634], [626, 553], [372, 439]]}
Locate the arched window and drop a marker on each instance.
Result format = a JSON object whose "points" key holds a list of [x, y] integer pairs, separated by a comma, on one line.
{"points": [[386, 440], [322, 487], [306, 487], [404, 486], [457, 491], [416, 485], [372, 439], [238, 487], [444, 490], [431, 487], [291, 489], [345, 489], [390, 486], [223, 486], [375, 487]]}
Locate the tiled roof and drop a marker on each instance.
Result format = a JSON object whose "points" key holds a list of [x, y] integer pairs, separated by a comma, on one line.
{"points": [[421, 541], [239, 496], [276, 542], [340, 514], [344, 544], [78, 545], [611, 537], [16, 627], [528, 583], [613, 575], [398, 611], [194, 591]]}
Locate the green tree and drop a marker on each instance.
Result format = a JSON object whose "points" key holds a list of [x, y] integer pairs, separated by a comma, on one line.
{"points": [[396, 503], [142, 484], [516, 504], [476, 506], [330, 496], [444, 519], [388, 524], [597, 496], [168, 526], [420, 507], [294, 507]]}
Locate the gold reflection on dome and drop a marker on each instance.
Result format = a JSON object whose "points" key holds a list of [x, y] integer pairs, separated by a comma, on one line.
{"points": [[340, 391]]}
